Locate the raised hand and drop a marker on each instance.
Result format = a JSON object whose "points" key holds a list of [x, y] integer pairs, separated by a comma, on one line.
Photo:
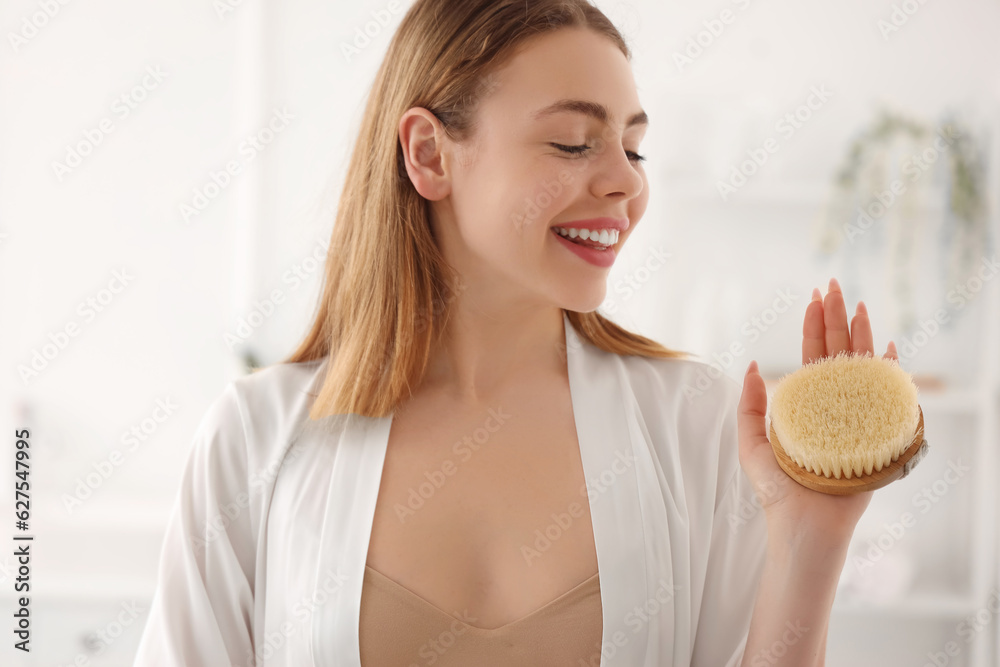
{"points": [[794, 512]]}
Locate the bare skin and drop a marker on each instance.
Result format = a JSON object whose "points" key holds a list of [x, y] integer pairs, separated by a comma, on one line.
{"points": [[463, 550]]}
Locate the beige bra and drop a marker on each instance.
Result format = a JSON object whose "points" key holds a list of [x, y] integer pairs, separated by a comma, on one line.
{"points": [[401, 629]]}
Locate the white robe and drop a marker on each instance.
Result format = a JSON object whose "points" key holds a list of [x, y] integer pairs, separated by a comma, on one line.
{"points": [[268, 561]]}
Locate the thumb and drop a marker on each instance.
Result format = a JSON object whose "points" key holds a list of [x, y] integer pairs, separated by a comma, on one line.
{"points": [[750, 416]]}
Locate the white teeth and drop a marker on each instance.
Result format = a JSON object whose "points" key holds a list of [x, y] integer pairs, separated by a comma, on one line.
{"points": [[604, 237]]}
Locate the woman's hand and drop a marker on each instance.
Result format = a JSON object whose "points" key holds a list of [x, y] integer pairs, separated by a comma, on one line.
{"points": [[793, 511]]}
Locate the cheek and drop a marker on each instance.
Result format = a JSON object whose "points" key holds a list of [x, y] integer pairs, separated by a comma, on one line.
{"points": [[479, 201], [539, 199]]}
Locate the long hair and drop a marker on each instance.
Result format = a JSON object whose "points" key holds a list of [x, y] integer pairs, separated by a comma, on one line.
{"points": [[387, 288]]}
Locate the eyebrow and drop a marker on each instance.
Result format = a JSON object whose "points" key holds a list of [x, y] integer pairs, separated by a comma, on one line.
{"points": [[592, 109]]}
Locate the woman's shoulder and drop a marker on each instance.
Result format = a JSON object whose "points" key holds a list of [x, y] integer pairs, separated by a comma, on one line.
{"points": [[269, 405], [688, 411], [279, 387]]}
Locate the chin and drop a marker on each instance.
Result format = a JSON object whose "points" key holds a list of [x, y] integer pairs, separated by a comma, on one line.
{"points": [[584, 300]]}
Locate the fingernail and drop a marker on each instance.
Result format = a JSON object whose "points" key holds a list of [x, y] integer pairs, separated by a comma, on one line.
{"points": [[816, 294], [862, 308], [751, 367], [834, 285]]}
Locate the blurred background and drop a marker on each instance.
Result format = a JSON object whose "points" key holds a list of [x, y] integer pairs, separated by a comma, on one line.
{"points": [[791, 142]]}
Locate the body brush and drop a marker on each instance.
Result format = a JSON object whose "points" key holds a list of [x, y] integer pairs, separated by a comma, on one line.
{"points": [[847, 424]]}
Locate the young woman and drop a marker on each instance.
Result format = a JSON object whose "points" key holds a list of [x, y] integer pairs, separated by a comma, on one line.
{"points": [[465, 464]]}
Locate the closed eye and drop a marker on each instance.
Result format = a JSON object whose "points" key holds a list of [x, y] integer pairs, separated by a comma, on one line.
{"points": [[578, 150]]}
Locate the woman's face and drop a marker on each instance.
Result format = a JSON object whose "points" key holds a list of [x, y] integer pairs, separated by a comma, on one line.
{"points": [[497, 199]]}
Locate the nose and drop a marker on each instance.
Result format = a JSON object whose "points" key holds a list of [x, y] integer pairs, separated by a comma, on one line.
{"points": [[614, 174]]}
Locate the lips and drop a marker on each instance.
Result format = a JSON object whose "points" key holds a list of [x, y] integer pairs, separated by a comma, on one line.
{"points": [[598, 257]]}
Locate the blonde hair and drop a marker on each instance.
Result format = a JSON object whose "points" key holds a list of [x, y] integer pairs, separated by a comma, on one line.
{"points": [[387, 288]]}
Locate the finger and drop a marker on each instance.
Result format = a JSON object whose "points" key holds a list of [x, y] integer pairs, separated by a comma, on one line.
{"points": [[891, 352], [813, 332], [750, 413], [838, 337], [861, 332]]}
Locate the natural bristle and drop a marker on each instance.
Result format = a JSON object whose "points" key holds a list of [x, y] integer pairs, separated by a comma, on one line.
{"points": [[845, 416]]}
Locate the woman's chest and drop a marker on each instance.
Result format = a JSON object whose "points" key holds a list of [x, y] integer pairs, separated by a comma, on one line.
{"points": [[484, 512]]}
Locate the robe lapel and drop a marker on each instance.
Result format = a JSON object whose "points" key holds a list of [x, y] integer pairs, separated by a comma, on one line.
{"points": [[343, 550], [602, 405]]}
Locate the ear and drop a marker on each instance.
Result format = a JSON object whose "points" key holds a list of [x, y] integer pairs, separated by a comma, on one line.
{"points": [[422, 137]]}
